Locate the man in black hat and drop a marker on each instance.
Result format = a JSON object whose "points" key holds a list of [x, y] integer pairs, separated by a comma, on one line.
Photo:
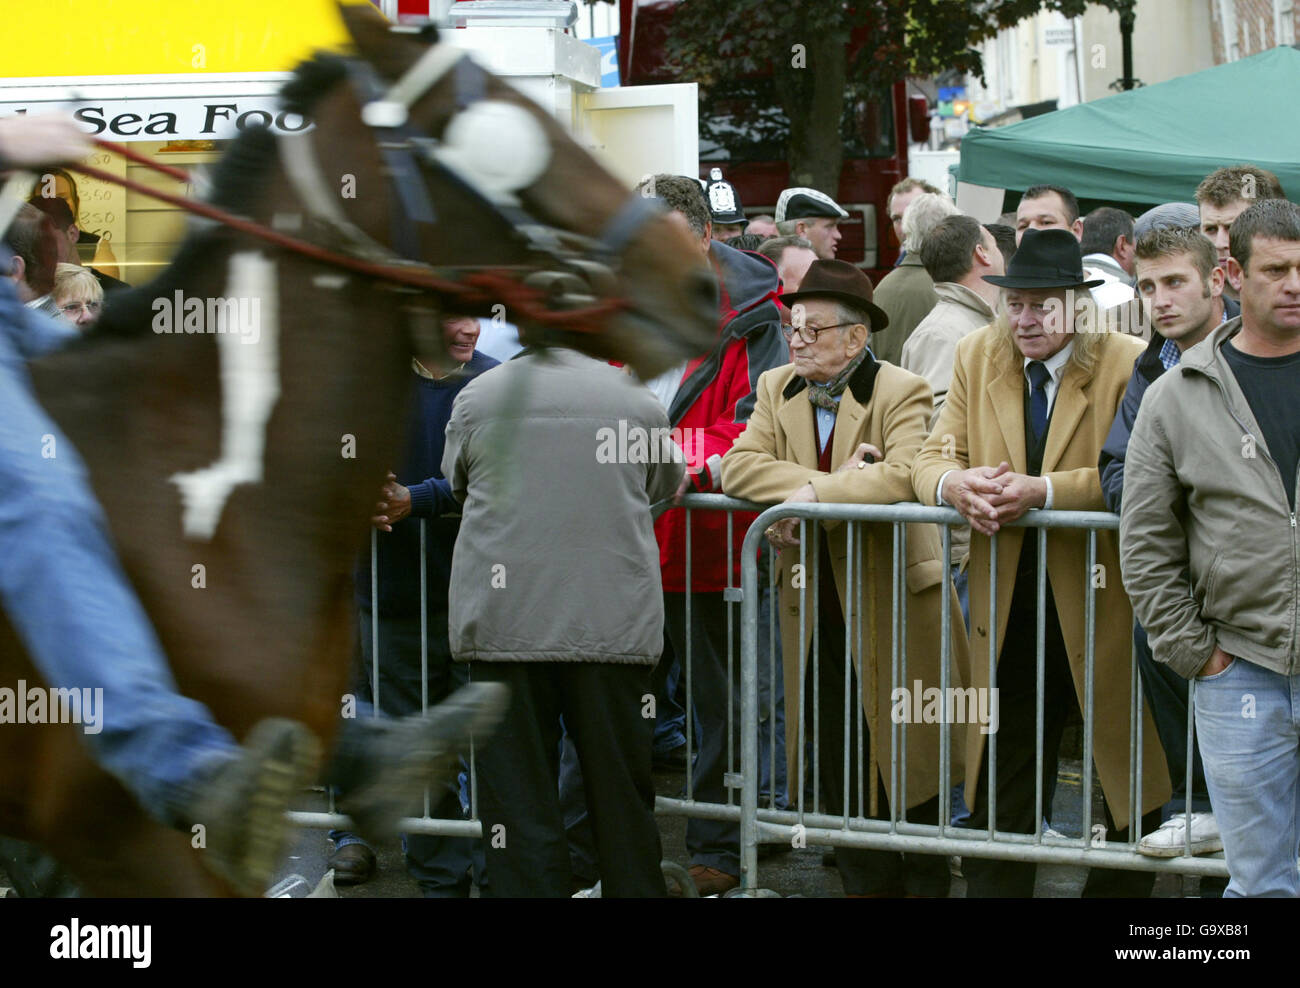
{"points": [[838, 426], [724, 207], [813, 215], [1029, 407]]}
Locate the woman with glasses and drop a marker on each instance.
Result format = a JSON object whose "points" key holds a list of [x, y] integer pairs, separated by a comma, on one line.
{"points": [[77, 295]]}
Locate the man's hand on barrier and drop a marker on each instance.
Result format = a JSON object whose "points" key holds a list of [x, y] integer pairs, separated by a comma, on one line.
{"points": [[1217, 662], [44, 139], [782, 533], [864, 454], [683, 488], [394, 506], [1020, 492], [970, 492]]}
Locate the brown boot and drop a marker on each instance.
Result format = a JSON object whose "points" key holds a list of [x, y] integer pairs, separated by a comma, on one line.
{"points": [[711, 881]]}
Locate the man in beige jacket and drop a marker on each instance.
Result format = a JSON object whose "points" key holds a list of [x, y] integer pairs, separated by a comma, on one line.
{"points": [[1030, 404], [839, 426], [957, 254]]}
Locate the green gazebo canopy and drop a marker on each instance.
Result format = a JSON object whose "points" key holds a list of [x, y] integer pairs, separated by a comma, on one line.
{"points": [[1153, 144]]}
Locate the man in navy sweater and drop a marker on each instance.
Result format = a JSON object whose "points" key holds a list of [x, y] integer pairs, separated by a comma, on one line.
{"points": [[418, 492]]}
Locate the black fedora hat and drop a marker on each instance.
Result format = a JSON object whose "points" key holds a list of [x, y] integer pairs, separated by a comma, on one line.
{"points": [[841, 281], [1045, 259]]}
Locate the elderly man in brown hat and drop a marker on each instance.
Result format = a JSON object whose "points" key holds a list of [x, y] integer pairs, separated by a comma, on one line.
{"points": [[1031, 401], [838, 426]]}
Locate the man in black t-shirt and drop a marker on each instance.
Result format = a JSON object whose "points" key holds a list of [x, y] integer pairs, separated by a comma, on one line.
{"points": [[1211, 551]]}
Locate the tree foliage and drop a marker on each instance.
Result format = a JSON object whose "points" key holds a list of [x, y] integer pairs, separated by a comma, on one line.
{"points": [[800, 52]]}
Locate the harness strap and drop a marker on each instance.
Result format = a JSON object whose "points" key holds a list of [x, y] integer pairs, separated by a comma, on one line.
{"points": [[390, 109], [396, 146]]}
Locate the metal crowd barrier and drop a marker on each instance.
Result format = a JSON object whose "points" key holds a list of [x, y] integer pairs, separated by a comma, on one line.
{"points": [[761, 825], [771, 824], [426, 824]]}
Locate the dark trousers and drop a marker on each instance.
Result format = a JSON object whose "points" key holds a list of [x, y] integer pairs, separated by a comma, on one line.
{"points": [[518, 778], [441, 865], [1017, 698], [863, 872], [715, 843], [1166, 692]]}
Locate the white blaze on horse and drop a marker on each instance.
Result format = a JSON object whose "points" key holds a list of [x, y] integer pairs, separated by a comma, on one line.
{"points": [[205, 448]]}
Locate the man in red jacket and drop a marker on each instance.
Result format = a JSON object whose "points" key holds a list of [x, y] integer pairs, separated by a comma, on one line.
{"points": [[709, 400]]}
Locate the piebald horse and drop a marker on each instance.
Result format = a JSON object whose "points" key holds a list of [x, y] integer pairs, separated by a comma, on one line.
{"points": [[238, 476]]}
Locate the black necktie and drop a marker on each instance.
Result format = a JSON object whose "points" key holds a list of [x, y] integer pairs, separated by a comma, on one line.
{"points": [[1038, 377]]}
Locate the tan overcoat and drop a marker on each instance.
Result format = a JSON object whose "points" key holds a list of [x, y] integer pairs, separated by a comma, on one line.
{"points": [[776, 454], [982, 424]]}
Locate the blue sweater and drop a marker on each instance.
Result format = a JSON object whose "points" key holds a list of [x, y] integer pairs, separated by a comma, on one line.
{"points": [[431, 498]]}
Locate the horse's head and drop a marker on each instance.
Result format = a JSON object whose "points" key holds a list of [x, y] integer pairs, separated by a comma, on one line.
{"points": [[487, 135]]}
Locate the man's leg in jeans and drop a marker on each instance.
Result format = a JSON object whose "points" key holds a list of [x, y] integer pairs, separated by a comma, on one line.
{"points": [[670, 717], [439, 864], [713, 843], [66, 595], [1248, 726]]}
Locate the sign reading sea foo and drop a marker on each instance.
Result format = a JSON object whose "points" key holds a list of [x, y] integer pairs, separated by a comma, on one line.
{"points": [[179, 118]]}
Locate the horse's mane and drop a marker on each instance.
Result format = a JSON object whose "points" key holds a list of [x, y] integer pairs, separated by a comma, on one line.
{"points": [[234, 183]]}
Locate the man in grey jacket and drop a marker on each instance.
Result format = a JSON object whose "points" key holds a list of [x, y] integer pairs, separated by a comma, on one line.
{"points": [[1209, 547], [555, 591]]}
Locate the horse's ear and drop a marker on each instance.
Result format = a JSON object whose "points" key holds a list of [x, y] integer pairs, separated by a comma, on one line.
{"points": [[390, 53]]}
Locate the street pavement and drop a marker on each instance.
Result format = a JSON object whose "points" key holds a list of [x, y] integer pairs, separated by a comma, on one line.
{"points": [[799, 872]]}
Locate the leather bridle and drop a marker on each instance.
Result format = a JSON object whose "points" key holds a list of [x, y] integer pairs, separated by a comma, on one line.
{"points": [[571, 289]]}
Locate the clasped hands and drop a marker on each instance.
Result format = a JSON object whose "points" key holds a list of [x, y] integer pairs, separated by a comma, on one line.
{"points": [[990, 497]]}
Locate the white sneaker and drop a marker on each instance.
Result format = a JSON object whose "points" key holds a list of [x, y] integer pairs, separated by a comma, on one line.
{"points": [[1168, 840]]}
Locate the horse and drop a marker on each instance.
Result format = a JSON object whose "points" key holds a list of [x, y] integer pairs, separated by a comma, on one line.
{"points": [[238, 476]]}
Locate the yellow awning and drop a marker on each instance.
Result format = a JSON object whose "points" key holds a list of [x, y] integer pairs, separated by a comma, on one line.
{"points": [[52, 38]]}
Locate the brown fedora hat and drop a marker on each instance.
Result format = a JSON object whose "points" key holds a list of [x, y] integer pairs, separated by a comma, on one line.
{"points": [[841, 281]]}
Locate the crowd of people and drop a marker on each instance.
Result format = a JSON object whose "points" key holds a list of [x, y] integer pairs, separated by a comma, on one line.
{"points": [[1052, 361], [998, 368]]}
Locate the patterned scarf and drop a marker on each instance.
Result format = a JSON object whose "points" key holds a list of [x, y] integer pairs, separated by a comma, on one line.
{"points": [[824, 395]]}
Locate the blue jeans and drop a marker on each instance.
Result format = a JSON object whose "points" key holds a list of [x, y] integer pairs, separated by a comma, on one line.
{"points": [[1248, 729], [64, 591]]}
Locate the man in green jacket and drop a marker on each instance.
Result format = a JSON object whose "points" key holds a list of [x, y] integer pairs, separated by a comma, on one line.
{"points": [[1210, 551]]}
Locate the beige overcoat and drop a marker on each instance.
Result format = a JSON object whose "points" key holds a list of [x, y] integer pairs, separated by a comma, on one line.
{"points": [[778, 453], [982, 424]]}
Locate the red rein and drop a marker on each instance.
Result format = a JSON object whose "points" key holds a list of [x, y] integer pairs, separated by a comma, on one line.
{"points": [[475, 289]]}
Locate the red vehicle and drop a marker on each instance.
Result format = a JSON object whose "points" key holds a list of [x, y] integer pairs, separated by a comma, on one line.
{"points": [[752, 157]]}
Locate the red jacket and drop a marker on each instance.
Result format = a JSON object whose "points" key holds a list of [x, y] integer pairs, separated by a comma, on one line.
{"points": [[712, 405]]}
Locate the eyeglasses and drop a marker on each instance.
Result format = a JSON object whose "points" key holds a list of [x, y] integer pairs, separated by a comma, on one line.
{"points": [[74, 308], [808, 333]]}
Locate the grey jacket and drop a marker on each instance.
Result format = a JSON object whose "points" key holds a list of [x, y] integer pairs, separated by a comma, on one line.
{"points": [[1208, 542], [557, 458]]}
